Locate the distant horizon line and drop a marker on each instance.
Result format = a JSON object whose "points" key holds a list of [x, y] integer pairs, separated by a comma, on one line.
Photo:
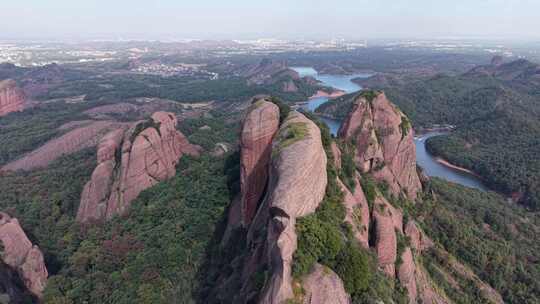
{"points": [[164, 38]]}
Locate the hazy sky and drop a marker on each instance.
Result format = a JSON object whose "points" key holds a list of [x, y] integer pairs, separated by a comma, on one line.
{"points": [[278, 18]]}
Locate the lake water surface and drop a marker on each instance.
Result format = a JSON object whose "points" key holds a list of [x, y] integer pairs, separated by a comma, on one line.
{"points": [[340, 82], [433, 168], [425, 160]]}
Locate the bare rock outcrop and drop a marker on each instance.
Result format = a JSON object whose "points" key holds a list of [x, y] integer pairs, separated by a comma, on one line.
{"points": [[419, 240], [323, 286], [20, 254], [384, 142], [259, 127], [296, 187], [130, 162], [357, 212], [406, 274], [385, 237], [12, 98], [73, 141]]}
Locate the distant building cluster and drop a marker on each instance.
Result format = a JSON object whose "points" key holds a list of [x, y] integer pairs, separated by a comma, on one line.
{"points": [[157, 68]]}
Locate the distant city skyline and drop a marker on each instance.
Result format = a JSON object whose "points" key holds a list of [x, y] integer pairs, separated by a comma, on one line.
{"points": [[243, 19]]}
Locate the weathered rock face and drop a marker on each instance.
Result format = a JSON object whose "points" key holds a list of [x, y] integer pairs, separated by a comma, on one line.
{"points": [[20, 254], [419, 241], [296, 187], [385, 236], [75, 140], [130, 162], [323, 286], [406, 274], [357, 212], [12, 99], [259, 128], [384, 142]]}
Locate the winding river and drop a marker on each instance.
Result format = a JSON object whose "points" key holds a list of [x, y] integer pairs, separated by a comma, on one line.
{"points": [[425, 160]]}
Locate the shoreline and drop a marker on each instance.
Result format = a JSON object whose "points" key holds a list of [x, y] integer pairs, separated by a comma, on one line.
{"points": [[446, 163], [321, 93]]}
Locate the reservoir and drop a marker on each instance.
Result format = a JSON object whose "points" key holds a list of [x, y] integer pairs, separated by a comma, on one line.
{"points": [[425, 160], [340, 82], [433, 168]]}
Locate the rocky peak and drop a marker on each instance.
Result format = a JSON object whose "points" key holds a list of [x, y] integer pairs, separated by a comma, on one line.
{"points": [[383, 138], [19, 253], [296, 186], [12, 98], [259, 127], [130, 162]]}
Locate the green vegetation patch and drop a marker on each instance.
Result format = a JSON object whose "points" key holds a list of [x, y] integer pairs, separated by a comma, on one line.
{"points": [[294, 132], [369, 95], [347, 173], [149, 123], [284, 109], [405, 126]]}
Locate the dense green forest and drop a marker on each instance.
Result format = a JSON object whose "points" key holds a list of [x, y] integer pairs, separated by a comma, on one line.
{"points": [[25, 131], [151, 255], [498, 240], [179, 88]]}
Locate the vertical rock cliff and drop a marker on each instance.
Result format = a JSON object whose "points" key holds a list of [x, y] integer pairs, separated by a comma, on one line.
{"points": [[296, 187], [130, 162], [12, 98], [383, 138], [259, 127], [19, 253]]}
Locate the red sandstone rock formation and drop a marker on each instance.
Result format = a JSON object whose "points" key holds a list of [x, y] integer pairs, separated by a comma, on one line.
{"points": [[419, 241], [71, 142], [259, 128], [12, 99], [406, 274], [323, 286], [385, 236], [130, 162], [297, 185], [357, 212], [384, 143], [20, 254]]}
